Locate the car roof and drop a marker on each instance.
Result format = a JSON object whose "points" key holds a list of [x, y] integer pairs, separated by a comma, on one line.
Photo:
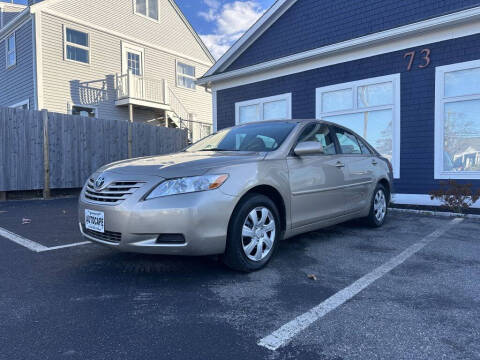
{"points": [[295, 121], [281, 121]]}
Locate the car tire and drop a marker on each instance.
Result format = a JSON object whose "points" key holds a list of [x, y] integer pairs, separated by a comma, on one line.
{"points": [[378, 207], [251, 243]]}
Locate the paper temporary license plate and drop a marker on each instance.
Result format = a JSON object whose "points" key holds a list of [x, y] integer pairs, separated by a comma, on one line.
{"points": [[95, 220]]}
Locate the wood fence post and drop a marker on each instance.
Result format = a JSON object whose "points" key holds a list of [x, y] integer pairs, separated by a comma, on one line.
{"points": [[46, 160], [130, 131]]}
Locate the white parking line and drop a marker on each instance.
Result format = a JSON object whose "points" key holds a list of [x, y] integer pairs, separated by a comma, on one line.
{"points": [[67, 246], [285, 334], [32, 245], [29, 244]]}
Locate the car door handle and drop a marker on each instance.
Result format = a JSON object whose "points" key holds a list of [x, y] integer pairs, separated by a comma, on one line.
{"points": [[374, 162], [339, 164]]}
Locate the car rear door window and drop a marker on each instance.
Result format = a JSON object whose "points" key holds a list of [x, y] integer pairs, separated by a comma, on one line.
{"points": [[348, 142], [319, 133], [364, 147]]}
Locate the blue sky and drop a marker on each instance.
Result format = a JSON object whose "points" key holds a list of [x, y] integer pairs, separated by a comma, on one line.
{"points": [[220, 22]]}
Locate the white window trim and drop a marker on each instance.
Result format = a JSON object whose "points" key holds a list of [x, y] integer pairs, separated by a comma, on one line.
{"points": [[87, 48], [14, 51], [261, 101], [133, 48], [146, 6], [21, 103], [396, 106], [188, 76], [440, 101], [71, 106]]}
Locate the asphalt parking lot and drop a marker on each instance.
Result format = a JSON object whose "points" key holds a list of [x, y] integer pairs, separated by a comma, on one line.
{"points": [[65, 299]]}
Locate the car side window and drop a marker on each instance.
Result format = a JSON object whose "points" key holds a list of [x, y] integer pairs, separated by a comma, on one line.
{"points": [[319, 133], [348, 142], [364, 147]]}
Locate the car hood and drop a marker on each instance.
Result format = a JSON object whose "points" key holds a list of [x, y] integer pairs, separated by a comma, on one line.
{"points": [[180, 164]]}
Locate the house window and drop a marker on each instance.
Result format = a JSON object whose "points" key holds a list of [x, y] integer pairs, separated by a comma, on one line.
{"points": [[77, 46], [134, 63], [11, 48], [271, 108], [84, 111], [371, 108], [185, 76], [457, 121], [148, 8]]}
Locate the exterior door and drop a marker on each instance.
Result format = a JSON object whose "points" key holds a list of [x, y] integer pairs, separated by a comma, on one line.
{"points": [[358, 170], [133, 62], [315, 180]]}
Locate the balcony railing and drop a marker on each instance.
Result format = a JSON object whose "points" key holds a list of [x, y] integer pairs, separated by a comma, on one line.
{"points": [[147, 92], [141, 88]]}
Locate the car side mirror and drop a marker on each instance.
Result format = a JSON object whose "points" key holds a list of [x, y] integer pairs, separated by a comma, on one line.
{"points": [[308, 148]]}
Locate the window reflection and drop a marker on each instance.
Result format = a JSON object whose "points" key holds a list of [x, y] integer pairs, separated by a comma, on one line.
{"points": [[463, 82], [462, 136], [375, 95], [248, 113], [275, 110], [374, 126], [337, 100]]}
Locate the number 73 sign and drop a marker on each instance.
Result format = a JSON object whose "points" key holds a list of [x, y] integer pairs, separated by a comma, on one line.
{"points": [[425, 55]]}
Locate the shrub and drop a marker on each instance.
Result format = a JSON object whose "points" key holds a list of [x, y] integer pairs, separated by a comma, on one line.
{"points": [[455, 197]]}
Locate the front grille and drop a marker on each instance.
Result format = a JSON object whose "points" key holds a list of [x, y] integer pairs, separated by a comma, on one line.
{"points": [[108, 236], [114, 193]]}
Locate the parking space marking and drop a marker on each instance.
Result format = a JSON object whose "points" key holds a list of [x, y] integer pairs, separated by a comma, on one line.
{"points": [[29, 244], [287, 332], [32, 245], [67, 246]]}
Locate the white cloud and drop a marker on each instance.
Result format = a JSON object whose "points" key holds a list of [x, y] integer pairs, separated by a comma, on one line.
{"points": [[213, 6], [212, 3], [231, 21], [217, 44]]}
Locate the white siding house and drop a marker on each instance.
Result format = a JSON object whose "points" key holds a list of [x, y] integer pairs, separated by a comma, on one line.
{"points": [[131, 60]]}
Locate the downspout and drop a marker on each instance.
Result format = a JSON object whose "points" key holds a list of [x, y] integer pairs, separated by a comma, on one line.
{"points": [[38, 59], [34, 67]]}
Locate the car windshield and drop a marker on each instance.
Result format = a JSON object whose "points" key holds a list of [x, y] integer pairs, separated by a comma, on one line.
{"points": [[258, 137]]}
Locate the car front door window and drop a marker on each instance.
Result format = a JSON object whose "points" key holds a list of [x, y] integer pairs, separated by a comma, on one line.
{"points": [[319, 133]]}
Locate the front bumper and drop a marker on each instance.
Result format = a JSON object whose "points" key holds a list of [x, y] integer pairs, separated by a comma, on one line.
{"points": [[201, 218]]}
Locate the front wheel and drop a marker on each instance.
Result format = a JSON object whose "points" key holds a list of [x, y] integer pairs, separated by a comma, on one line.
{"points": [[253, 234], [378, 208]]}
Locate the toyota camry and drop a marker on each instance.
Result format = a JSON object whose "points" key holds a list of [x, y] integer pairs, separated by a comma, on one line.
{"points": [[238, 192]]}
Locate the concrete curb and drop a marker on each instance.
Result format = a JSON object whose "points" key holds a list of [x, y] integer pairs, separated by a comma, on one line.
{"points": [[436, 213]]}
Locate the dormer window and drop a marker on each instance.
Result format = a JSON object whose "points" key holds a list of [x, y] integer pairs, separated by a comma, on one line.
{"points": [[147, 8]]}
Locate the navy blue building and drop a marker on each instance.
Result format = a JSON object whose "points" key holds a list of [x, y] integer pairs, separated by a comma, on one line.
{"points": [[404, 74]]}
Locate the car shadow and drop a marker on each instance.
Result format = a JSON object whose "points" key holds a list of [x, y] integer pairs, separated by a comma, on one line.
{"points": [[291, 251]]}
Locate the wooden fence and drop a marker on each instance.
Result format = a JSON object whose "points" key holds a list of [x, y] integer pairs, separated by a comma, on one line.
{"points": [[73, 146]]}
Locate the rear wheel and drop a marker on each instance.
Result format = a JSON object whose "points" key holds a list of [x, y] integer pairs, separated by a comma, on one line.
{"points": [[253, 234], [378, 208]]}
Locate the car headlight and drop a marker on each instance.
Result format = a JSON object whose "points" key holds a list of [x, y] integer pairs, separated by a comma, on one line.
{"points": [[187, 185]]}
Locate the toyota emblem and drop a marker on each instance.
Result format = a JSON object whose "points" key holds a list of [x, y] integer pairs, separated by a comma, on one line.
{"points": [[99, 182]]}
